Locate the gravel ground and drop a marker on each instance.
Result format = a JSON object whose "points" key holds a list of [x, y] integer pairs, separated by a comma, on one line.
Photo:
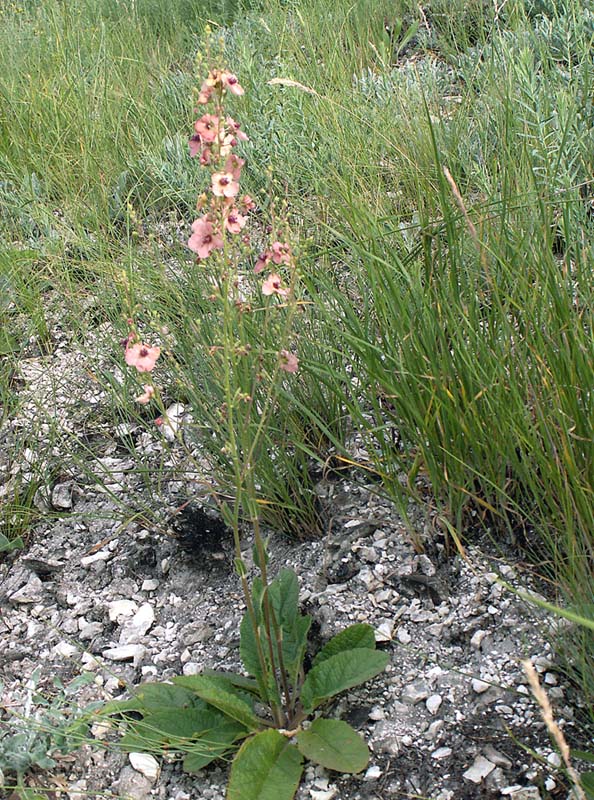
{"points": [[128, 600]]}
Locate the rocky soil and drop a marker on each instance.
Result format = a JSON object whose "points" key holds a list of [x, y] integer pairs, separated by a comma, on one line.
{"points": [[102, 588]]}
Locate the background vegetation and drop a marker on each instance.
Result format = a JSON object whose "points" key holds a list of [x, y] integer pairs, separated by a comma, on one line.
{"points": [[449, 319]]}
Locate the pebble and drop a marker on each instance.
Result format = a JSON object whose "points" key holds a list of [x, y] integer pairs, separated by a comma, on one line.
{"points": [[31, 592], [497, 758], [403, 636], [479, 686], [433, 703], [517, 792], [62, 496], [146, 764], [373, 773], [479, 770], [102, 555], [477, 638], [133, 784], [150, 585], [414, 693], [65, 649], [441, 752], [121, 608], [127, 652], [135, 628]]}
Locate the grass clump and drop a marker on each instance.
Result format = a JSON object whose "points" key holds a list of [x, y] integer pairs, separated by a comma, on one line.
{"points": [[437, 160]]}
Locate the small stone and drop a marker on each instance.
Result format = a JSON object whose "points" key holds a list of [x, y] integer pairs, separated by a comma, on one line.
{"points": [[102, 555], [479, 770], [435, 729], [433, 703], [65, 649], [517, 792], [149, 585], [554, 759], [62, 496], [121, 608], [414, 693], [133, 784], [403, 636], [441, 752], [135, 628], [377, 713], [373, 773], [550, 679], [145, 764], [191, 668], [323, 795], [89, 631], [31, 592], [480, 686], [497, 758], [127, 652], [477, 638], [383, 632]]}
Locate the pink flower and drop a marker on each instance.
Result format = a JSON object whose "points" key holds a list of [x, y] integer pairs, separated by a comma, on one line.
{"points": [[230, 82], [263, 260], [246, 204], [207, 127], [205, 93], [224, 184], [235, 128], [147, 396], [233, 165], [281, 253], [288, 361], [142, 356], [234, 222], [195, 143], [204, 239], [273, 285]]}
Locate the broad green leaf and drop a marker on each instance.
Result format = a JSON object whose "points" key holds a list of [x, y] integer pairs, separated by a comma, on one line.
{"points": [[220, 693], [283, 592], [247, 647], [8, 545], [267, 767], [155, 697], [240, 681], [333, 744], [359, 635], [342, 671], [249, 656], [294, 646], [203, 734]]}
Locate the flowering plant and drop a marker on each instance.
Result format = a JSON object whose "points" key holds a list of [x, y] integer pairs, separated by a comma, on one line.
{"points": [[205, 716]]}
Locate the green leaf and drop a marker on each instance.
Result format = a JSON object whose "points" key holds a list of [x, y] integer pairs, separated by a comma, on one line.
{"points": [[267, 767], [283, 592], [247, 647], [587, 781], [355, 636], [220, 693], [335, 745], [294, 646], [203, 734], [155, 697], [583, 756], [239, 681], [8, 545], [342, 671]]}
